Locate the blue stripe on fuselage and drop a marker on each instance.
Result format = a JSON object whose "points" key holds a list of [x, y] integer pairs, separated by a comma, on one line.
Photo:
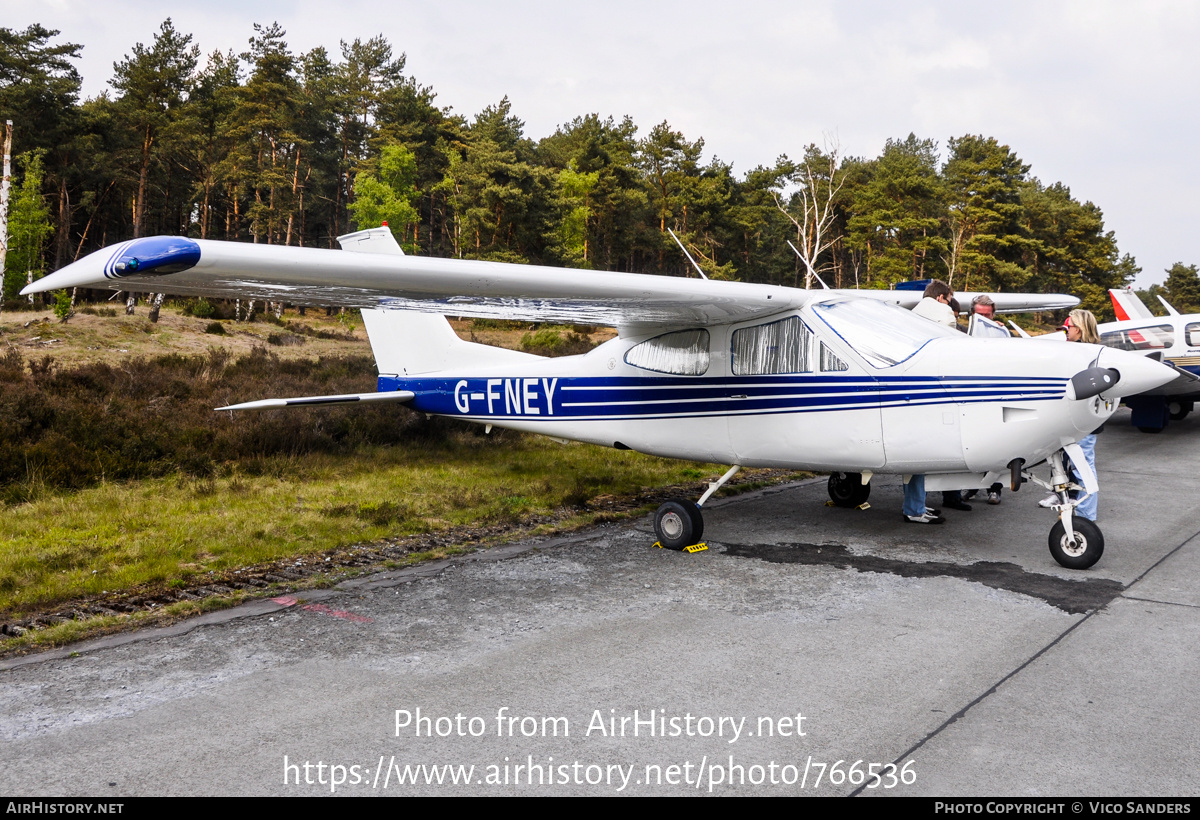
{"points": [[574, 398]]}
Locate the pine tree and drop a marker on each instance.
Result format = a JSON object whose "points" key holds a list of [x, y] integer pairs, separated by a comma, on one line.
{"points": [[984, 218]]}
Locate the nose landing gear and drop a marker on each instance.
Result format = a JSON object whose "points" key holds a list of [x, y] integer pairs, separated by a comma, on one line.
{"points": [[1079, 550], [1075, 543]]}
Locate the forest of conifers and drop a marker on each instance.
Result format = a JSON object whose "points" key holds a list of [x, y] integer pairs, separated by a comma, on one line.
{"points": [[285, 148]]}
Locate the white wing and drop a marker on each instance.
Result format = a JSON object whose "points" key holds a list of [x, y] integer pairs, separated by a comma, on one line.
{"points": [[456, 287]]}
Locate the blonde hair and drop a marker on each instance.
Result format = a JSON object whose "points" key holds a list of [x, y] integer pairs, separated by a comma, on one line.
{"points": [[1086, 322]]}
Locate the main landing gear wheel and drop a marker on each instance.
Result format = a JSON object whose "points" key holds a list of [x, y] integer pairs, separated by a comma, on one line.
{"points": [[678, 524], [1084, 551], [847, 489], [1179, 410]]}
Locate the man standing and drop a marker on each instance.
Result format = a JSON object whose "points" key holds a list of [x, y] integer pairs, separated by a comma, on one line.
{"points": [[983, 307], [935, 306]]}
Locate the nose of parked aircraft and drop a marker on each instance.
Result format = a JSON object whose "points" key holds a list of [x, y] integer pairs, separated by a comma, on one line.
{"points": [[1137, 373]]}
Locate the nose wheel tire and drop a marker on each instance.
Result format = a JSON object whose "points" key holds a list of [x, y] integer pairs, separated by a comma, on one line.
{"points": [[847, 489], [1081, 553], [678, 523]]}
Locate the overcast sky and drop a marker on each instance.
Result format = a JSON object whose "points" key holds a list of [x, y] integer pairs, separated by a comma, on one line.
{"points": [[1102, 96]]}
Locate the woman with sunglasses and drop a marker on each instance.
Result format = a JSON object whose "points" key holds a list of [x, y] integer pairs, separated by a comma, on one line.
{"points": [[1080, 326]]}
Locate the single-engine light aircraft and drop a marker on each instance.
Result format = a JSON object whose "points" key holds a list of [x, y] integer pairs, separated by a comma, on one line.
{"points": [[729, 372], [1173, 339]]}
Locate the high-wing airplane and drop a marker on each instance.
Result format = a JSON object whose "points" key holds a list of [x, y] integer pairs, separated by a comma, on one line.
{"points": [[1173, 339], [727, 372]]}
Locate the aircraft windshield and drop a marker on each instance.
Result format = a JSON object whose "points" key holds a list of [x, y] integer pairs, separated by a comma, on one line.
{"points": [[883, 334]]}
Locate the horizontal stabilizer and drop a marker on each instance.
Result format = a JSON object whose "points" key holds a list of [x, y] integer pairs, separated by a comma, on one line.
{"points": [[300, 401]]}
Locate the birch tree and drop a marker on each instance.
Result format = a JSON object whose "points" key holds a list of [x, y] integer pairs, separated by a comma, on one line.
{"points": [[812, 207], [5, 185]]}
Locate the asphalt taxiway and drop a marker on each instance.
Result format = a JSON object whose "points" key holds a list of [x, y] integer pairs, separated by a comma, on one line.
{"points": [[807, 648]]}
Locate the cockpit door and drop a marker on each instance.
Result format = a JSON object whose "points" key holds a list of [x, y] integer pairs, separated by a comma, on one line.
{"points": [[801, 400], [922, 417]]}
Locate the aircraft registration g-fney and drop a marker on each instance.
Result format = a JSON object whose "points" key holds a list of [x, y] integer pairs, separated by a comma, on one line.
{"points": [[735, 373]]}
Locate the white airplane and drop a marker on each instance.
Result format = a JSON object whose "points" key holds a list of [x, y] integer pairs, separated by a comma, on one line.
{"points": [[1173, 339], [727, 372]]}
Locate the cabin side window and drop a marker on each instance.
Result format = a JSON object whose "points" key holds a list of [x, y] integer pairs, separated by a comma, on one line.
{"points": [[1193, 334], [830, 363], [778, 347], [1140, 338], [682, 353]]}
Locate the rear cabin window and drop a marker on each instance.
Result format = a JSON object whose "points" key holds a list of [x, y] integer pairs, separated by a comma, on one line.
{"points": [[778, 347], [682, 353], [1140, 338]]}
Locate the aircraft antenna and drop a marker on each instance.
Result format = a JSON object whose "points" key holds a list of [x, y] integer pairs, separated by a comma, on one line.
{"points": [[685, 253], [814, 273]]}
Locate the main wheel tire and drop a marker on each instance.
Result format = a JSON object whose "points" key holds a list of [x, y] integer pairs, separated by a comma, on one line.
{"points": [[697, 522], [678, 524], [1084, 552], [847, 489], [1179, 410]]}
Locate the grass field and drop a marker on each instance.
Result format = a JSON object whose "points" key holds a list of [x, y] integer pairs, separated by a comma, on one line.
{"points": [[159, 531], [115, 554]]}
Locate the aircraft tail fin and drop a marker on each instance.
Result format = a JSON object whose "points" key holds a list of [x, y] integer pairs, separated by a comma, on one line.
{"points": [[372, 240], [1127, 304], [406, 343]]}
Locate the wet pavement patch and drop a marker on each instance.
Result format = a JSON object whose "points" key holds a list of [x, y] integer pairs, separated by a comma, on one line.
{"points": [[1075, 597]]}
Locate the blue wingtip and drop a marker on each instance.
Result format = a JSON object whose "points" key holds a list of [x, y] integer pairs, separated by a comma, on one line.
{"points": [[155, 254]]}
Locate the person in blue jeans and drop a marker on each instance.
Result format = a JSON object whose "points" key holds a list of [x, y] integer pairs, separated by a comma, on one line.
{"points": [[915, 511], [1089, 508], [1080, 326]]}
